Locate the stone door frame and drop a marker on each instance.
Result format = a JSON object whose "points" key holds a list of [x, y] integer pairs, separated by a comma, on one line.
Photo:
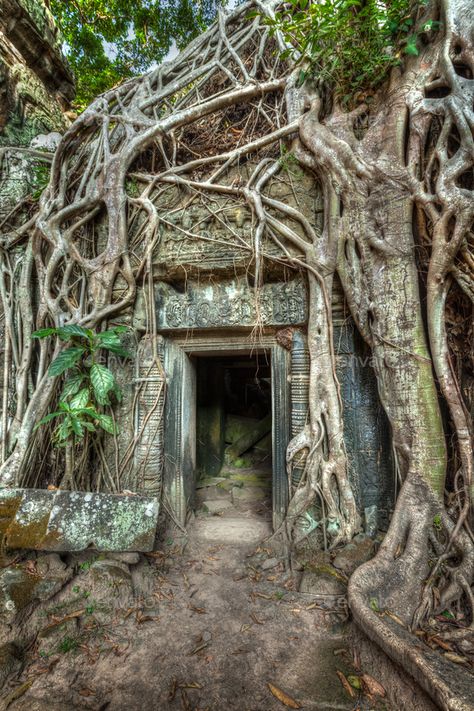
{"points": [[180, 414]]}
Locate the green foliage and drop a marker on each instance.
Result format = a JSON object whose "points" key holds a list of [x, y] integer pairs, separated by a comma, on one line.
{"points": [[68, 644], [374, 605], [89, 384], [349, 45], [40, 178], [109, 40]]}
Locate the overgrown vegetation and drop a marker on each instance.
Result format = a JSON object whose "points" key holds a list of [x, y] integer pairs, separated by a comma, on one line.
{"points": [[392, 188]]}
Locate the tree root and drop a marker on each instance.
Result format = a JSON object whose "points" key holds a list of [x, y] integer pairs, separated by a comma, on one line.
{"points": [[385, 593]]}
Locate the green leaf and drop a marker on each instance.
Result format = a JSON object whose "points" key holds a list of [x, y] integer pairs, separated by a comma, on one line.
{"points": [[111, 342], [44, 333], [80, 400], [102, 381], [91, 411], [47, 418], [448, 615], [374, 605], [412, 50], [107, 423], [65, 333], [64, 430], [117, 392], [66, 360], [76, 426], [72, 385], [411, 46]]}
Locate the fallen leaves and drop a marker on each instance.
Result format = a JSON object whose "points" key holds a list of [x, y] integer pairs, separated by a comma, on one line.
{"points": [[354, 684], [198, 610], [86, 692], [456, 658], [283, 697], [348, 688], [140, 617], [181, 685], [371, 686], [199, 648]]}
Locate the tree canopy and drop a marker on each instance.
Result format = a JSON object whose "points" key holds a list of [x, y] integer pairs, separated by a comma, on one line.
{"points": [[109, 40]]}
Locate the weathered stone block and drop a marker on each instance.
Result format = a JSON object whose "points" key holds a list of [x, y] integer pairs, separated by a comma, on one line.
{"points": [[74, 520]]}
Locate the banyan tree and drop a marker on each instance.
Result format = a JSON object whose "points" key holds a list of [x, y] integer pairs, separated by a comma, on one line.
{"points": [[239, 169]]}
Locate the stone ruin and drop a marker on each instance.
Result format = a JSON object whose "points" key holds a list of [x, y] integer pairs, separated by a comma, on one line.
{"points": [[233, 359]]}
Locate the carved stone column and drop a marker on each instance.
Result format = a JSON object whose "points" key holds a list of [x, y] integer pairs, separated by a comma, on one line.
{"points": [[299, 396], [149, 424]]}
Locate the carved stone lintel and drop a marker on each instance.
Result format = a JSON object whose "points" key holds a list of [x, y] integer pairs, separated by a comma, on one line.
{"points": [[231, 304]]}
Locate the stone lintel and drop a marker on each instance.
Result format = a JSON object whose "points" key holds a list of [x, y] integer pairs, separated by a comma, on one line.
{"points": [[231, 304]]}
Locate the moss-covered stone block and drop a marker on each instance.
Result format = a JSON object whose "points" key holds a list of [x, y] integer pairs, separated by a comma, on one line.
{"points": [[75, 520]]}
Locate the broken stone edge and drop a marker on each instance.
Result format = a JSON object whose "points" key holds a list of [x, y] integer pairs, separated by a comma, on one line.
{"points": [[58, 520]]}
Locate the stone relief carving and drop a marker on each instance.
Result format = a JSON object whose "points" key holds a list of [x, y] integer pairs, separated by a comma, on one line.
{"points": [[232, 303]]}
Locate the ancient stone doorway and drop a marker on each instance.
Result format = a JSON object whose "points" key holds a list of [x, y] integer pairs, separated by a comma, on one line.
{"points": [[208, 380], [234, 426]]}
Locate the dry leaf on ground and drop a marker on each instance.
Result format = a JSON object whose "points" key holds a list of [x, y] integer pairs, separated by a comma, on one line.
{"points": [[372, 686], [283, 697], [346, 684]]}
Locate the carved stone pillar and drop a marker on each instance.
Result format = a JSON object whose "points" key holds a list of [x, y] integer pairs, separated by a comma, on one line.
{"points": [[299, 397], [149, 424]]}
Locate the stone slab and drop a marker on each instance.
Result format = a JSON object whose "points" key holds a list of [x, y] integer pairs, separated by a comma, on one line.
{"points": [[216, 506], [232, 530], [60, 520]]}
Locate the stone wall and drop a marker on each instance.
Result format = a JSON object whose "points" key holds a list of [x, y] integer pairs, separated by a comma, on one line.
{"points": [[36, 88], [36, 85]]}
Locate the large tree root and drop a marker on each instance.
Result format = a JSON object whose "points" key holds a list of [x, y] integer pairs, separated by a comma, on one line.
{"points": [[384, 597]]}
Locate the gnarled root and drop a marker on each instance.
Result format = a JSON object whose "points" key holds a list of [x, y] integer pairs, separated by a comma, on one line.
{"points": [[323, 479], [388, 595]]}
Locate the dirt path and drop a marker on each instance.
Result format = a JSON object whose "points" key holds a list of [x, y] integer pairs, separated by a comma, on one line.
{"points": [[207, 627]]}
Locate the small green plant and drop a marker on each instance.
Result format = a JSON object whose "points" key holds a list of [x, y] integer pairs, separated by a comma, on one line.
{"points": [[132, 188], [437, 524], [40, 178], [88, 385], [289, 161], [67, 644], [374, 605]]}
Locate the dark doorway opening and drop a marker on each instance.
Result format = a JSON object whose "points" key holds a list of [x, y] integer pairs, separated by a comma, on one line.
{"points": [[234, 419]]}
